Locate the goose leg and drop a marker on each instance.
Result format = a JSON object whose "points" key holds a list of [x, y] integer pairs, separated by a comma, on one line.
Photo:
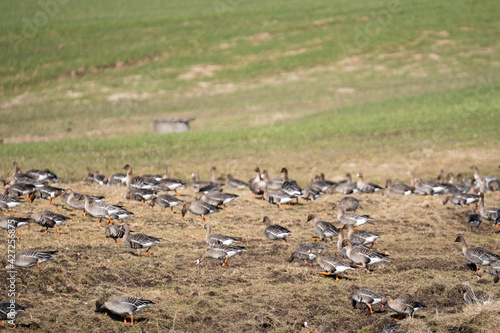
{"points": [[142, 203], [110, 220], [336, 277], [171, 210], [279, 205], [50, 200], [57, 229], [38, 263], [202, 219], [46, 229], [125, 319], [99, 222], [225, 262], [324, 273], [399, 318], [132, 320], [138, 253], [18, 234], [370, 307], [147, 252]]}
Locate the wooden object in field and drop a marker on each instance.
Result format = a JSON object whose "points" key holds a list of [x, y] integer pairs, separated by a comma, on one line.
{"points": [[172, 125]]}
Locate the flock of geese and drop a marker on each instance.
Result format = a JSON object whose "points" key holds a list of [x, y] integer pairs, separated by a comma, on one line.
{"points": [[355, 246]]}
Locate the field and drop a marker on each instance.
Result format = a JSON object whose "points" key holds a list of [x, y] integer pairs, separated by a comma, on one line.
{"points": [[379, 87]]}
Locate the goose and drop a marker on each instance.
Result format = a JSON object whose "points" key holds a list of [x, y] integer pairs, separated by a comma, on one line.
{"points": [[396, 189], [232, 182], [362, 256], [199, 207], [323, 229], [448, 188], [277, 198], [425, 187], [459, 186], [319, 184], [257, 185], [76, 200], [48, 219], [166, 200], [352, 218], [481, 178], [274, 184], [30, 258], [493, 269], [477, 255], [488, 213], [96, 177], [366, 187], [115, 232], [349, 204], [9, 311], [213, 239], [118, 178], [303, 252], [19, 190], [346, 186], [289, 186], [124, 306], [47, 192], [274, 231], [7, 202], [367, 297], [137, 182], [309, 194], [141, 194], [220, 251], [217, 198], [331, 265], [139, 241], [403, 306], [168, 183], [100, 209], [197, 183], [43, 175], [10, 222], [477, 296], [361, 237], [212, 187], [474, 221]]}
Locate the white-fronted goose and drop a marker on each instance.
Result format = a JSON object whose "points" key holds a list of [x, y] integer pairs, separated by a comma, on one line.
{"points": [[349, 204], [139, 241], [303, 252], [220, 251], [118, 178], [309, 194], [171, 184], [100, 209], [199, 207], [141, 194], [366, 187], [7, 202], [274, 231], [214, 239], [459, 186], [477, 255], [43, 175], [232, 182], [289, 186], [30, 258], [367, 297], [137, 181], [319, 184], [277, 198], [197, 183], [221, 198], [96, 177], [362, 256], [474, 221], [48, 192], [212, 187], [448, 188], [11, 222], [19, 190], [115, 232], [331, 265], [491, 214], [346, 186], [493, 269], [124, 306], [476, 296], [362, 237], [425, 187], [48, 219], [403, 306], [166, 200], [257, 185], [9, 311], [352, 218], [76, 200], [480, 177], [396, 189], [324, 229], [273, 184]]}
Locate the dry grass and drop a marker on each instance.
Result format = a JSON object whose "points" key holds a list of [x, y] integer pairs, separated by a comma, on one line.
{"points": [[257, 292]]}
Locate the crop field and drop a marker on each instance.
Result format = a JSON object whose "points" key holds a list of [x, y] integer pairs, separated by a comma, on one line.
{"points": [[378, 87]]}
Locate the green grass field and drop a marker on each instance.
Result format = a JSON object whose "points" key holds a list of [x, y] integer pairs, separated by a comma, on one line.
{"points": [[375, 86]]}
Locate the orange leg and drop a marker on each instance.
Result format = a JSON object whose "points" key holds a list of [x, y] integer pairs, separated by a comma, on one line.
{"points": [[142, 203], [336, 277], [18, 234], [47, 229], [132, 319], [225, 262], [110, 220], [147, 252], [370, 307], [355, 228], [99, 222], [139, 253], [202, 219], [125, 319], [279, 205], [171, 210], [38, 264], [58, 232]]}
